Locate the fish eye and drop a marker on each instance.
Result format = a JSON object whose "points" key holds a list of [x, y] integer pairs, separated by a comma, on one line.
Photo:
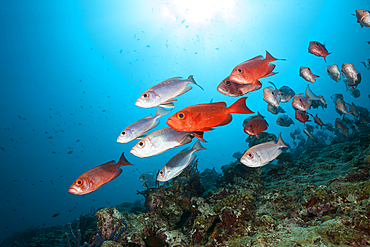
{"points": [[272, 93], [240, 70], [141, 144], [181, 115], [79, 182], [161, 173], [145, 95], [123, 133], [250, 155], [227, 82]]}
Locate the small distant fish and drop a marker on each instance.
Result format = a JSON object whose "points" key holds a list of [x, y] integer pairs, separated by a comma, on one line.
{"points": [[301, 116], [230, 88], [163, 93], [367, 64], [98, 176], [139, 128], [333, 72], [286, 93], [355, 93], [284, 121], [340, 105], [203, 117], [237, 155], [352, 78], [70, 152], [307, 74], [363, 17], [353, 110], [271, 95], [275, 110], [179, 162], [263, 153], [318, 49], [301, 102], [309, 134], [255, 125], [160, 141], [55, 215], [146, 176], [250, 71], [339, 124]]}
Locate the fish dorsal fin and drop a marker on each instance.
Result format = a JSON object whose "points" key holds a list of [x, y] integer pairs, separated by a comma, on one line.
{"points": [[310, 94], [175, 78], [260, 57], [221, 104]]}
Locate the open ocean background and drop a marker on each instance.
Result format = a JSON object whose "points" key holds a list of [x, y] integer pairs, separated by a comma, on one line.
{"points": [[71, 71]]}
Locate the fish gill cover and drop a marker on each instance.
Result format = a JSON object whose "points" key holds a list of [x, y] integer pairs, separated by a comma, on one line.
{"points": [[72, 72]]}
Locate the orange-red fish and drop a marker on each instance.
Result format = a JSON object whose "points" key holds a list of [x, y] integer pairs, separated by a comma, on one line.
{"points": [[203, 117], [234, 89], [318, 49], [318, 121], [301, 116], [96, 177], [255, 125], [250, 71]]}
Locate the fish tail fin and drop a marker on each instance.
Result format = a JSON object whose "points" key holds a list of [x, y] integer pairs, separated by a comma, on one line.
{"points": [[122, 161], [281, 142], [161, 111], [198, 146], [270, 58], [240, 107], [273, 84], [310, 94], [191, 79]]}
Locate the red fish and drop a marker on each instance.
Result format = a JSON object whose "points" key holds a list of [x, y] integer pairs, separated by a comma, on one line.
{"points": [[234, 89], [96, 177], [250, 71], [203, 117], [363, 17], [255, 125], [318, 49], [318, 121], [301, 116]]}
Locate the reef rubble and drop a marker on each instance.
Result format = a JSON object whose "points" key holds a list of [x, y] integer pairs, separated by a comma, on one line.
{"points": [[321, 198]]}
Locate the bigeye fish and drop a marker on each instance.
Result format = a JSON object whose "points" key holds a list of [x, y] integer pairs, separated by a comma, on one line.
{"points": [[340, 105], [255, 125], [230, 88], [286, 93], [301, 102], [250, 71], [98, 176], [163, 93], [318, 121], [352, 78], [271, 95], [363, 17], [302, 116], [284, 121], [333, 72], [263, 153], [307, 74], [318, 49], [146, 176], [275, 110], [179, 162], [339, 124], [353, 110], [139, 128], [160, 141]]}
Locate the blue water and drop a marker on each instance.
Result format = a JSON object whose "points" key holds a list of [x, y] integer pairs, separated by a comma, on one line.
{"points": [[71, 72]]}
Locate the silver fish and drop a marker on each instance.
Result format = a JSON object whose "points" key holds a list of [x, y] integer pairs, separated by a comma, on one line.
{"points": [[163, 93], [352, 78], [160, 141], [333, 72], [307, 74], [286, 93], [139, 128], [275, 110], [284, 120], [271, 95], [309, 134], [301, 102], [263, 153], [340, 106], [363, 17], [146, 176], [179, 162]]}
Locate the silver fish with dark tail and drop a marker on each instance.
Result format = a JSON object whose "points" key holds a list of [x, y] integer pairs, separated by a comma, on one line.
{"points": [[179, 162], [275, 110], [139, 128], [263, 153], [160, 141], [163, 93], [271, 95]]}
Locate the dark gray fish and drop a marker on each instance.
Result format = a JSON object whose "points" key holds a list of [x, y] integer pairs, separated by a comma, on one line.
{"points": [[309, 128], [355, 93], [237, 155], [286, 93], [146, 176], [275, 110], [284, 120]]}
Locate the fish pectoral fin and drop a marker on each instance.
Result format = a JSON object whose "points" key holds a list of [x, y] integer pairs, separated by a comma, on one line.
{"points": [[119, 171], [205, 129], [226, 120], [141, 137], [187, 88], [260, 57], [199, 135], [257, 83]]}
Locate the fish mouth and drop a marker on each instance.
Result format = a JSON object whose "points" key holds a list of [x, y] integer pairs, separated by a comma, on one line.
{"points": [[74, 191]]}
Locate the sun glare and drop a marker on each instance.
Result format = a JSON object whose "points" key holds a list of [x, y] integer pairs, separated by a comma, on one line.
{"points": [[197, 11]]}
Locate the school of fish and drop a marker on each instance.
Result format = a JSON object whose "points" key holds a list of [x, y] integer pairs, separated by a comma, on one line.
{"points": [[194, 120]]}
